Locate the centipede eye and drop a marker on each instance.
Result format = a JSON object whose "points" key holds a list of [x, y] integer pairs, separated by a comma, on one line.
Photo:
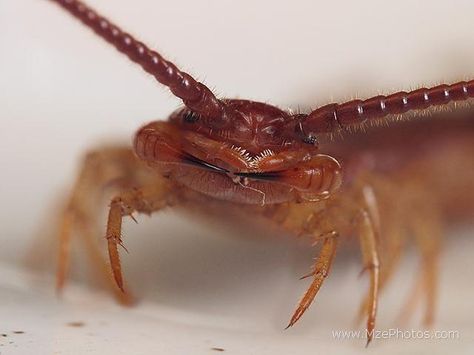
{"points": [[311, 139], [190, 117], [308, 138]]}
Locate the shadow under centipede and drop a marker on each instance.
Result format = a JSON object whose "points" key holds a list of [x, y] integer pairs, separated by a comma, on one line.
{"points": [[219, 269], [212, 268]]}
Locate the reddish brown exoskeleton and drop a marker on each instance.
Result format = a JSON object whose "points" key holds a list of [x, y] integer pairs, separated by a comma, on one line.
{"points": [[283, 167]]}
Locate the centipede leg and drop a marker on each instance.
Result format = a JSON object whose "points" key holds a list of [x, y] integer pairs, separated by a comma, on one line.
{"points": [[426, 227], [99, 168], [392, 247], [65, 230], [144, 200], [370, 258], [111, 168], [320, 272], [430, 244], [71, 221], [411, 302], [94, 252]]}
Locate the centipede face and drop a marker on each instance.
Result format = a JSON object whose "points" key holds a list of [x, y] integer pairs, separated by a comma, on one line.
{"points": [[249, 154]]}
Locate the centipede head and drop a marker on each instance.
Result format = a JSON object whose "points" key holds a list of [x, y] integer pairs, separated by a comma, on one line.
{"points": [[238, 150], [250, 156]]}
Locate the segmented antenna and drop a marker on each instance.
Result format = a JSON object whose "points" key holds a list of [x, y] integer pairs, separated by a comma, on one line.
{"points": [[332, 117], [195, 95]]}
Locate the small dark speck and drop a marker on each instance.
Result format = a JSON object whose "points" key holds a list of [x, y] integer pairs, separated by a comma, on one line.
{"points": [[18, 332], [76, 324], [4, 335], [217, 349]]}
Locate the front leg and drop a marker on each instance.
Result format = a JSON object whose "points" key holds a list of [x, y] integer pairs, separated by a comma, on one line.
{"points": [[319, 273], [105, 172], [326, 222], [146, 200], [104, 169]]}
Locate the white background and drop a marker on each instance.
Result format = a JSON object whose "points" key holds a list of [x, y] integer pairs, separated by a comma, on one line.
{"points": [[62, 90]]}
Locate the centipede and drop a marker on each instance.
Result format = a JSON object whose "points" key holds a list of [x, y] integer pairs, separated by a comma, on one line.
{"points": [[376, 170]]}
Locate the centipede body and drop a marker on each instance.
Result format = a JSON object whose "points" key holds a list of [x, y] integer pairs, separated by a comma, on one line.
{"points": [[398, 177]]}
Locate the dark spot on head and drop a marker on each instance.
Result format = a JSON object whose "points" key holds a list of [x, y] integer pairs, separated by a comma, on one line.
{"points": [[18, 332], [4, 335], [310, 139]]}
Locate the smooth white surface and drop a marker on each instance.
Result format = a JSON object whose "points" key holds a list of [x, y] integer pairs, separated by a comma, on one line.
{"points": [[62, 90], [238, 310]]}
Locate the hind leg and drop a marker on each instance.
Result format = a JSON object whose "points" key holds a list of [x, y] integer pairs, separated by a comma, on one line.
{"points": [[368, 246], [390, 257], [392, 242], [428, 239], [368, 227], [427, 230]]}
